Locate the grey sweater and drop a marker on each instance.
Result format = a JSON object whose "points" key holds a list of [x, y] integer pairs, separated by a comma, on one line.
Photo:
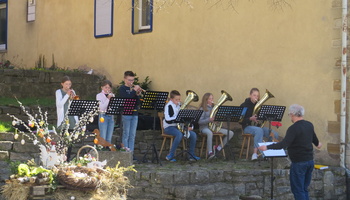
{"points": [[204, 119]]}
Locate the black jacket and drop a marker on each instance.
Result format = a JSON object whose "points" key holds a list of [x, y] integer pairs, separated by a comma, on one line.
{"points": [[250, 105]]}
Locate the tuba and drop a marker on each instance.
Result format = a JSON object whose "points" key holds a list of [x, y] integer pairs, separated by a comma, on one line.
{"points": [[191, 96], [258, 105], [224, 97]]}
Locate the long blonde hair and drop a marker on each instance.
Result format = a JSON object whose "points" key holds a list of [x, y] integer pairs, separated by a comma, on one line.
{"points": [[204, 102]]}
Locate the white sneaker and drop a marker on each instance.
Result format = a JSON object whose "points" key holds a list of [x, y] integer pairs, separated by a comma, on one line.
{"points": [[254, 156]]}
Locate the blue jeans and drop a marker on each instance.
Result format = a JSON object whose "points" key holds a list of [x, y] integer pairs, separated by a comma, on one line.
{"points": [[129, 130], [174, 131], [107, 127], [259, 133], [300, 178]]}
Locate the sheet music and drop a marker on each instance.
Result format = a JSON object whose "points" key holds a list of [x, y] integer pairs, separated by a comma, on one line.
{"points": [[272, 152]]}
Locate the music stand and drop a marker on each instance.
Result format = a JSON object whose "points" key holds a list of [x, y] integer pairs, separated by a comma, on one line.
{"points": [[187, 117], [121, 106], [79, 107], [272, 113], [154, 100], [229, 114]]}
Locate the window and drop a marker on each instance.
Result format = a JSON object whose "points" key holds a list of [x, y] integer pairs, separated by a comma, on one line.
{"points": [[142, 16], [3, 24]]}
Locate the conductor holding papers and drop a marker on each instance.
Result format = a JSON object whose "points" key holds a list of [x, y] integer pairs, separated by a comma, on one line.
{"points": [[299, 139]]}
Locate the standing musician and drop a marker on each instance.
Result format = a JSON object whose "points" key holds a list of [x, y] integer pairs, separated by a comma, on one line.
{"points": [[63, 98], [258, 132], [129, 90], [105, 122], [207, 105]]}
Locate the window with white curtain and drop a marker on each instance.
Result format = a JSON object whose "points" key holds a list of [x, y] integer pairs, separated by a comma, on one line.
{"points": [[142, 16]]}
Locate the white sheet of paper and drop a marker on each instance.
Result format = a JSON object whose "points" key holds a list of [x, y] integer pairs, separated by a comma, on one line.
{"points": [[272, 152]]}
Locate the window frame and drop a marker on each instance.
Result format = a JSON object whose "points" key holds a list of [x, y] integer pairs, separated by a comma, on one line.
{"points": [[3, 47], [137, 26]]}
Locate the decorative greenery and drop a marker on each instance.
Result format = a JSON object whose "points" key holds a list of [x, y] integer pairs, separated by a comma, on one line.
{"points": [[5, 127], [41, 135], [41, 66]]}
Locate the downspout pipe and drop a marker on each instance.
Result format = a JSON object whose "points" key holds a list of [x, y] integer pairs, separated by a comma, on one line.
{"points": [[343, 96], [343, 84]]}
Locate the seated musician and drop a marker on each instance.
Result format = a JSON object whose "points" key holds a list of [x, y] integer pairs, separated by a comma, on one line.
{"points": [[207, 105], [171, 110], [249, 123]]}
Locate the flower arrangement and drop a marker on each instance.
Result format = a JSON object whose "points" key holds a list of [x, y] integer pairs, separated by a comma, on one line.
{"points": [[39, 133]]}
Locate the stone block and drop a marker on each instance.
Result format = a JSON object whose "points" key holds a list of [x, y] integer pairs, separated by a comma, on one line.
{"points": [[333, 148], [113, 157], [333, 127], [337, 106], [181, 177], [27, 147], [5, 145], [4, 155], [10, 110], [200, 177], [23, 157], [6, 137]]}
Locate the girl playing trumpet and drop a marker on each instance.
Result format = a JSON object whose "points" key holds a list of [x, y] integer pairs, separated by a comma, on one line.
{"points": [[106, 122], [63, 96]]}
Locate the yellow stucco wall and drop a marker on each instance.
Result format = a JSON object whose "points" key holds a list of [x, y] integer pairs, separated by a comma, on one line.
{"points": [[205, 49]]}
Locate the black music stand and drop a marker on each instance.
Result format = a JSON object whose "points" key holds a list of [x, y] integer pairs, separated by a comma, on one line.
{"points": [[272, 113], [153, 100], [121, 106], [187, 117], [229, 114], [79, 107]]}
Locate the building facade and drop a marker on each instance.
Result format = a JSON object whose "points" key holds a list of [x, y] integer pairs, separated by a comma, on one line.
{"points": [[292, 48]]}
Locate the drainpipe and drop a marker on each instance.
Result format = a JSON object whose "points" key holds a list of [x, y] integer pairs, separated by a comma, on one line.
{"points": [[343, 96], [343, 83]]}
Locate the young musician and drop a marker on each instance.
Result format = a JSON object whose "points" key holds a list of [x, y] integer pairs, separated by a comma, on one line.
{"points": [[63, 98], [247, 126], [129, 90], [207, 105], [299, 139], [105, 122], [171, 111]]}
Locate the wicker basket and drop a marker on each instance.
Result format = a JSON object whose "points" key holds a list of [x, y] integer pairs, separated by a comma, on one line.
{"points": [[68, 176]]}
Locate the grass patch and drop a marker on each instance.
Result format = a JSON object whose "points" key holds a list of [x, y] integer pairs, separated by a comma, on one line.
{"points": [[5, 101], [5, 127]]}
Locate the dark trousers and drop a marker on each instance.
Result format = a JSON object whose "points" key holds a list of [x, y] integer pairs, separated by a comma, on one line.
{"points": [[300, 178]]}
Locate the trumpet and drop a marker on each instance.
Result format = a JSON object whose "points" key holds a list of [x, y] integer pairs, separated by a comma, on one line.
{"points": [[110, 94], [140, 90], [73, 95]]}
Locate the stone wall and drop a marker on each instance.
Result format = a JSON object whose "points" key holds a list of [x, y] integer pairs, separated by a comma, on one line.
{"points": [[206, 182], [216, 179], [40, 84]]}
